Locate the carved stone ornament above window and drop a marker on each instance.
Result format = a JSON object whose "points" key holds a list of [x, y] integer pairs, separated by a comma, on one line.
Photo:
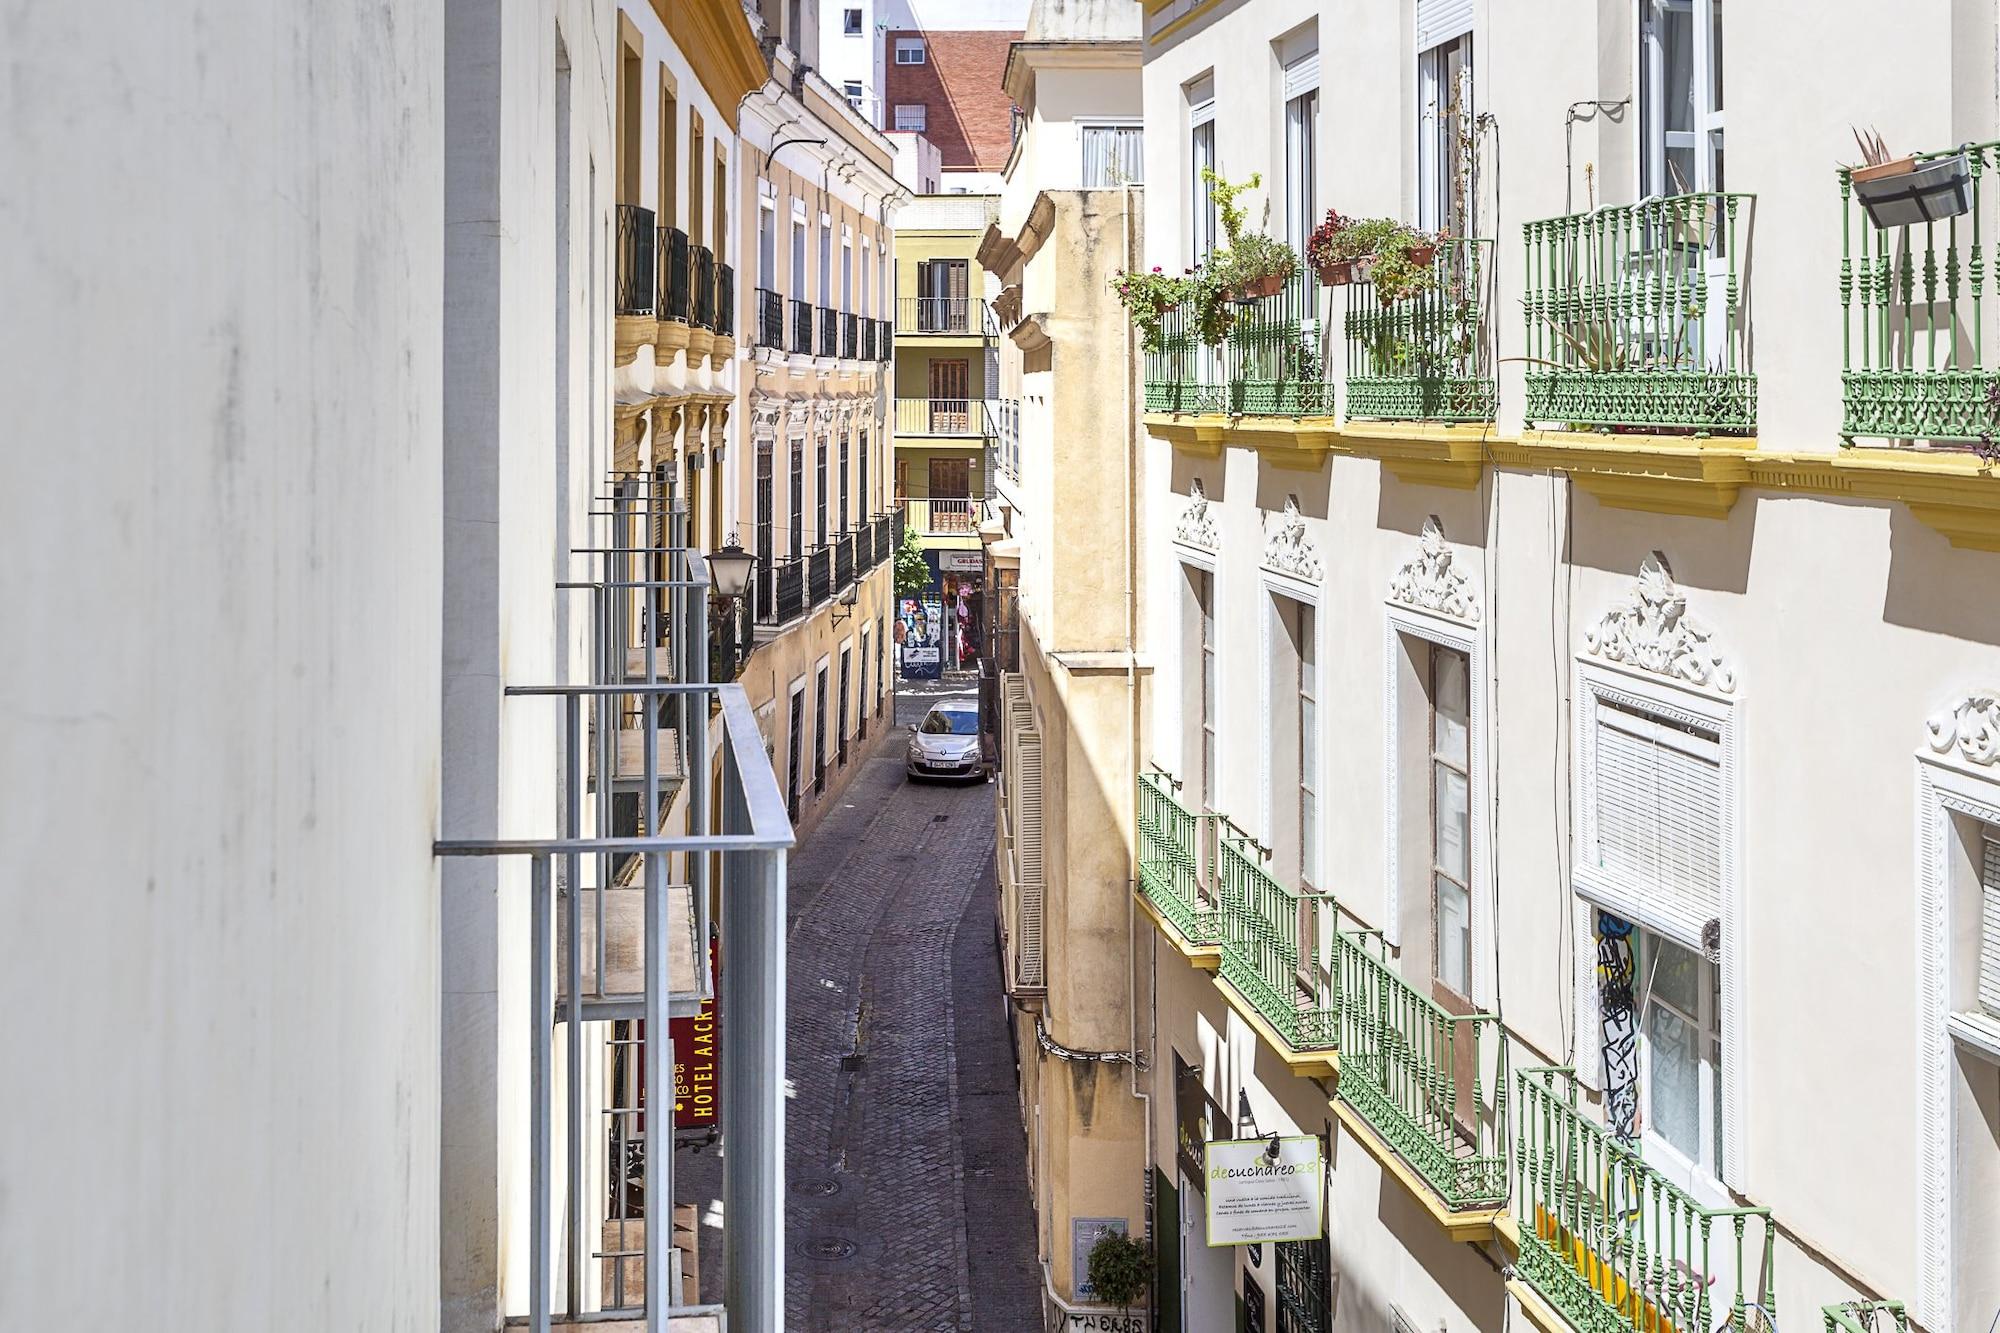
{"points": [[1431, 584], [1197, 525], [1971, 727], [1653, 632], [1287, 549]]}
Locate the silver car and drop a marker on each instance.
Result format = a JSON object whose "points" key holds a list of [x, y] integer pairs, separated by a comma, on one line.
{"points": [[946, 743]]}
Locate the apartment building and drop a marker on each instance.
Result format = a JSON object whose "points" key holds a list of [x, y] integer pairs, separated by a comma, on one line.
{"points": [[812, 488], [855, 56], [1069, 689], [419, 760], [1572, 717], [946, 377]]}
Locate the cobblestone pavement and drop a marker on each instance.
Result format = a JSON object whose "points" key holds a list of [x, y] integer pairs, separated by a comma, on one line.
{"points": [[907, 1203]]}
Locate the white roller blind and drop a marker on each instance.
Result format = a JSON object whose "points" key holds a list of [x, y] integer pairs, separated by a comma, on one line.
{"points": [[1989, 924], [1441, 20], [1658, 807], [1302, 75]]}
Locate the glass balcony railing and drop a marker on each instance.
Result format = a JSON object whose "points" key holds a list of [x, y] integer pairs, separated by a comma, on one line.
{"points": [[1268, 362], [1636, 317], [1426, 357], [1914, 311], [1612, 1244]]}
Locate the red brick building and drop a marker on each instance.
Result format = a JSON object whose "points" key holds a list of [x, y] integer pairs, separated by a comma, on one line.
{"points": [[954, 77]]}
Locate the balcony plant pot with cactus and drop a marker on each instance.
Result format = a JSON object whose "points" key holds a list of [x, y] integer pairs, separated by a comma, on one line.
{"points": [[1903, 191]]}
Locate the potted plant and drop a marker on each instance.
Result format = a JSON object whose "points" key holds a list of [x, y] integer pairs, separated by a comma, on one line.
{"points": [[1396, 271], [1210, 300], [1121, 1269], [1900, 191], [1323, 253], [1148, 297], [1250, 265]]}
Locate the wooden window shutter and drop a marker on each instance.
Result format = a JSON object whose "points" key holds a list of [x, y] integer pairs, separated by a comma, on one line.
{"points": [[1989, 924]]}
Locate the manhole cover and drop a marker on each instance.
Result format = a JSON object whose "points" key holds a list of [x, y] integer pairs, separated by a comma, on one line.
{"points": [[829, 1247], [818, 1189]]}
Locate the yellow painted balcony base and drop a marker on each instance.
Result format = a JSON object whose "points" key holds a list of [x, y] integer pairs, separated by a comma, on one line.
{"points": [[1304, 1064], [1204, 958], [1473, 1226]]}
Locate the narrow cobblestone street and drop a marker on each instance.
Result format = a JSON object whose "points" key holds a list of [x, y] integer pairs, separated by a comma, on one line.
{"points": [[908, 1204]]}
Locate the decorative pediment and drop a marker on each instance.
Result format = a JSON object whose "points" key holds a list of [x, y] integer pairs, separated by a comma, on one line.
{"points": [[1653, 632], [1430, 583], [1971, 727], [1287, 548], [1197, 525]]}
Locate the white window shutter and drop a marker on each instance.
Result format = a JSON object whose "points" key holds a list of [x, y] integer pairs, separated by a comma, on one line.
{"points": [[1441, 20], [1302, 75], [1989, 926], [1030, 965], [1658, 825]]}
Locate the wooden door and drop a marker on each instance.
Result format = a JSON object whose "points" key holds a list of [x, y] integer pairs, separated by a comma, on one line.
{"points": [[950, 411]]}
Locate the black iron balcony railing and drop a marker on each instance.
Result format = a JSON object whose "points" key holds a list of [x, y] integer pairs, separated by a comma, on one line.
{"points": [[676, 293], [788, 595], [725, 301], [819, 575], [705, 287], [637, 239], [843, 560], [829, 333], [770, 319], [850, 336], [887, 534], [884, 340], [867, 352], [899, 526], [802, 327]]}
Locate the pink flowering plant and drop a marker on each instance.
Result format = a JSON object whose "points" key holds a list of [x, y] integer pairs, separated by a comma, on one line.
{"points": [[1148, 297]]}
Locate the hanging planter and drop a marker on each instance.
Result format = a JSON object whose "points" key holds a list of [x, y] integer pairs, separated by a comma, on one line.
{"points": [[1335, 273], [1422, 253], [1905, 192], [1270, 284]]}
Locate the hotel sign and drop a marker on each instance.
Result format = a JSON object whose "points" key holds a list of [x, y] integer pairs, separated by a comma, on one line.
{"points": [[696, 1064]]}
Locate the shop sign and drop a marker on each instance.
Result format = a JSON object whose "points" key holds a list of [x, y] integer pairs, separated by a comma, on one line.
{"points": [[1256, 1195], [961, 562], [1197, 1114], [696, 1062], [1098, 1321]]}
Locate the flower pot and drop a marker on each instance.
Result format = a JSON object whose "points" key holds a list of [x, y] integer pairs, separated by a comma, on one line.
{"points": [[1268, 285], [1904, 192], [1335, 272], [1364, 268], [1422, 255], [1693, 229]]}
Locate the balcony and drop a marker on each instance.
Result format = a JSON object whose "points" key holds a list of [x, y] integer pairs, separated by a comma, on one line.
{"points": [[1174, 848], [947, 418], [701, 262], [1609, 1243], [850, 337], [770, 319], [829, 333], [1636, 317], [944, 516], [725, 301], [676, 278], [637, 288], [802, 327], [1426, 357], [1913, 322], [1268, 362], [945, 317], [884, 340], [867, 352], [1866, 1317]]}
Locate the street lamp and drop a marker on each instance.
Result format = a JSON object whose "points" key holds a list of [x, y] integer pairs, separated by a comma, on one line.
{"points": [[730, 568]]}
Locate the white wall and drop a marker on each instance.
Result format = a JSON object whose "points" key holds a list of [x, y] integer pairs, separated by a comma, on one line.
{"points": [[221, 752]]}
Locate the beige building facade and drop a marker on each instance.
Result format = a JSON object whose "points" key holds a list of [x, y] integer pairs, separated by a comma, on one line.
{"points": [[1567, 752]]}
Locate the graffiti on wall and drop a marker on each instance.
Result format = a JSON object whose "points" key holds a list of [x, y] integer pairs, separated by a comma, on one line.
{"points": [[1619, 1025]]}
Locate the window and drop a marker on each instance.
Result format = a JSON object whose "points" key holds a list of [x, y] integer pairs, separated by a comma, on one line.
{"points": [[861, 694], [819, 729], [881, 679], [1988, 852], [846, 273], [909, 50], [767, 245], [670, 129], [799, 258], [798, 499], [851, 90], [1680, 96], [795, 27], [795, 748], [910, 116], [850, 23], [844, 497], [1681, 1028], [1201, 157], [1444, 115], [1658, 814], [943, 288], [1113, 155], [1307, 720], [1301, 145], [862, 485], [1451, 826], [825, 264], [819, 489], [846, 666], [721, 210], [1204, 615]]}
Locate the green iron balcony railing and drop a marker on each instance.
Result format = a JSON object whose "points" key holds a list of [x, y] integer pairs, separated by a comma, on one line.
{"points": [[1173, 844], [1636, 317], [1268, 363], [1614, 1246], [1261, 928], [1866, 1317], [1913, 320], [1422, 1075], [1425, 357]]}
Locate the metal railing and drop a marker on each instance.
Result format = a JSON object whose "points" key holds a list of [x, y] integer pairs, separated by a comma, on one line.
{"points": [[802, 327], [637, 239], [829, 332], [1636, 316], [945, 516], [676, 278], [819, 575], [578, 986], [1269, 361], [966, 417], [789, 590], [701, 266], [1610, 1243], [1425, 357], [884, 340], [1260, 943], [1173, 844], [1914, 310], [947, 315], [770, 319], [867, 352], [725, 301], [850, 336], [1866, 1317], [843, 561], [1422, 1075]]}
